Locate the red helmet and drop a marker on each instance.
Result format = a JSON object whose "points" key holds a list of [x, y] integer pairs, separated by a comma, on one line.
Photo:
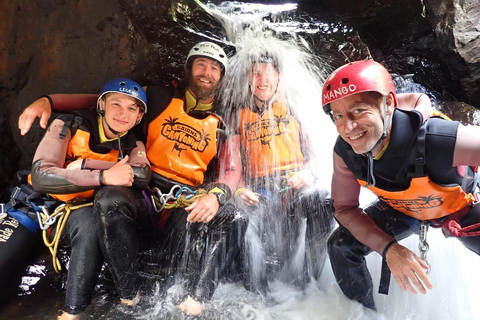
{"points": [[355, 77]]}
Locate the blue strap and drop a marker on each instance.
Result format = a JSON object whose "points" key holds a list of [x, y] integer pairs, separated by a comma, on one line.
{"points": [[26, 221]]}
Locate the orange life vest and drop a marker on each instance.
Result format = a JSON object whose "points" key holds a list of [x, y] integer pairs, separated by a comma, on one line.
{"points": [[270, 141], [180, 147], [424, 199], [78, 148]]}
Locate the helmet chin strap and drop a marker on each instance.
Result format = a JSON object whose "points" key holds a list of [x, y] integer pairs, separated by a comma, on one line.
{"points": [[120, 153], [264, 103], [369, 154]]}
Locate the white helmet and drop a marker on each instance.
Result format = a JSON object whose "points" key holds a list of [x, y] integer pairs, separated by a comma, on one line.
{"points": [[209, 50]]}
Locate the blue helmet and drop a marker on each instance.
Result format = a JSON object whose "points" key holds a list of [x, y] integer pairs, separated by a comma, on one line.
{"points": [[127, 87]]}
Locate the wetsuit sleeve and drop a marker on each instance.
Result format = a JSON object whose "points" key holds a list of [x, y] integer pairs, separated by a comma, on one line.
{"points": [[71, 102], [415, 101], [137, 160], [229, 164], [92, 164], [345, 194], [140, 165], [467, 146], [48, 174]]}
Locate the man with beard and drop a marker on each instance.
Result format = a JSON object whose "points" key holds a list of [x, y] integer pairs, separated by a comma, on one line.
{"points": [[183, 141]]}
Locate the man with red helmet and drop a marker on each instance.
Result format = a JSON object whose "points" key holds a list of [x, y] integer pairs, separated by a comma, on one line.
{"points": [[419, 169]]}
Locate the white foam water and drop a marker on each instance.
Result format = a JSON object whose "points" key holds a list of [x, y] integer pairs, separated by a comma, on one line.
{"points": [[453, 267]]}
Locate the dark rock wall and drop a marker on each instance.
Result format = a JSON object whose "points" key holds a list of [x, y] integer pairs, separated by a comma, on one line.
{"points": [[55, 46], [76, 45], [456, 25]]}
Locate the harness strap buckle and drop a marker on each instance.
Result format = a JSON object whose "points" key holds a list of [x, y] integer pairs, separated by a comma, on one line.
{"points": [[16, 194], [476, 195]]}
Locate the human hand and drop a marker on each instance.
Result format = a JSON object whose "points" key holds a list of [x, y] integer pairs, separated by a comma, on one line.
{"points": [[408, 269], [203, 209], [40, 108], [301, 179], [121, 174], [248, 197]]}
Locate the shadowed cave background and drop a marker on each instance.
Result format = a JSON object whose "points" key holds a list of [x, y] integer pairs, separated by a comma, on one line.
{"points": [[75, 46]]}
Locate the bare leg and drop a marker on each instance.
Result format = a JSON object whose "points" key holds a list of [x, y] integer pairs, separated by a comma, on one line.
{"points": [[68, 316], [191, 307]]}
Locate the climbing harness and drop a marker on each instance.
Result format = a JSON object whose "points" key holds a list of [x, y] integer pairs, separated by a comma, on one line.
{"points": [[47, 220], [178, 197], [423, 245]]}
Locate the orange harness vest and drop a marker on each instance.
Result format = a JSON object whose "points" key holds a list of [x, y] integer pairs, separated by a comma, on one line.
{"points": [[78, 148], [271, 141], [180, 147], [424, 199]]}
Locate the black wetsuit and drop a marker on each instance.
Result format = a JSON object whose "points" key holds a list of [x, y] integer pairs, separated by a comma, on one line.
{"points": [[82, 232]]}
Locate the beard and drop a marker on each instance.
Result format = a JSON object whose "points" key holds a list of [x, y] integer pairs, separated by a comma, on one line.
{"points": [[202, 93]]}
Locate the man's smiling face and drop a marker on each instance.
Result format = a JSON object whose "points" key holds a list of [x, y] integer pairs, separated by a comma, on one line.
{"points": [[359, 120], [205, 78]]}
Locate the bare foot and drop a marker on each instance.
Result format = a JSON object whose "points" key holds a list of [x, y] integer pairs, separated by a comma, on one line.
{"points": [[131, 303], [68, 316], [191, 307]]}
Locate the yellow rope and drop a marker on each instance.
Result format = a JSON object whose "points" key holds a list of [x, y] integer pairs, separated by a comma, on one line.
{"points": [[183, 202], [64, 212]]}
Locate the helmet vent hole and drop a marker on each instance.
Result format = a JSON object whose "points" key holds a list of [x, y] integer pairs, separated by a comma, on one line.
{"points": [[344, 80], [135, 88], [329, 86], [123, 84]]}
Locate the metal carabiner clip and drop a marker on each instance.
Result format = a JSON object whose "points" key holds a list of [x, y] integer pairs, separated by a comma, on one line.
{"points": [[189, 195], [423, 245]]}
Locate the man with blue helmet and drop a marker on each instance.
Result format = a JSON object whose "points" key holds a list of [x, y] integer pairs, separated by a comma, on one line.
{"points": [[81, 153], [185, 146]]}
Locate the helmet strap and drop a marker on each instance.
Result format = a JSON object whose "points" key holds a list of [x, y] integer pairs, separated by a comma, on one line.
{"points": [[370, 177], [386, 125], [102, 113], [120, 153]]}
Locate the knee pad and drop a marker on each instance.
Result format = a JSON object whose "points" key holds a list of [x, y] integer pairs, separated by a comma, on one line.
{"points": [[111, 201]]}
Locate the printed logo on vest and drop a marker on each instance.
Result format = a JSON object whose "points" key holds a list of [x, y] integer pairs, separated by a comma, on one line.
{"points": [[415, 205], [184, 134], [265, 129]]}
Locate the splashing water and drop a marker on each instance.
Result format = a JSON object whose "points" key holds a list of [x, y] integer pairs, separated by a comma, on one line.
{"points": [[299, 86], [454, 269]]}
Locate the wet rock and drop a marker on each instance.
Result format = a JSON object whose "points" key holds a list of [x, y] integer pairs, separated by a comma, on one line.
{"points": [[456, 25], [55, 46]]}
